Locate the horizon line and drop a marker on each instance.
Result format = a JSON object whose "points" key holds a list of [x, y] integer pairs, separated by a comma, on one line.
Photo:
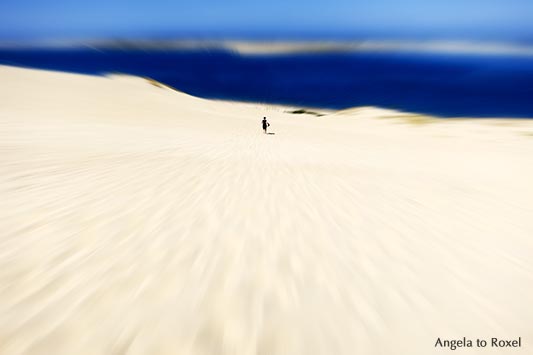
{"points": [[280, 46]]}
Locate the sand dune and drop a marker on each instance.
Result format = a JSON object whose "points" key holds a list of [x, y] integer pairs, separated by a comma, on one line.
{"points": [[139, 220]]}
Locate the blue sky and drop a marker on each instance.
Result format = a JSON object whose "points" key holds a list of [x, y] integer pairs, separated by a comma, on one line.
{"points": [[490, 19]]}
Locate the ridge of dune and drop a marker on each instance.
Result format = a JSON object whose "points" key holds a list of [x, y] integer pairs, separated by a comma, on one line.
{"points": [[140, 220]]}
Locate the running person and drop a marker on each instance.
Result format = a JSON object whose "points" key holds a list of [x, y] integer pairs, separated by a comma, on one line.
{"points": [[265, 124]]}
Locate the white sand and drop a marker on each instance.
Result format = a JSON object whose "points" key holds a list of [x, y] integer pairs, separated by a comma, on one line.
{"points": [[139, 220]]}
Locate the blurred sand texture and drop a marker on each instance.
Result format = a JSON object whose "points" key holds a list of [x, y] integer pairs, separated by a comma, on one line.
{"points": [[135, 219]]}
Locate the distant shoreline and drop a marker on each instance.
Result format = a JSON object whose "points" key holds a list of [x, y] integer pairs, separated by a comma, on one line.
{"points": [[277, 47]]}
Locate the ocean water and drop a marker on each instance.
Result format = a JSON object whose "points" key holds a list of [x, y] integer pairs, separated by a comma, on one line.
{"points": [[446, 85]]}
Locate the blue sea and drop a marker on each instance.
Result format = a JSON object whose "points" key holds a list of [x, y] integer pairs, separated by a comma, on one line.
{"points": [[447, 85]]}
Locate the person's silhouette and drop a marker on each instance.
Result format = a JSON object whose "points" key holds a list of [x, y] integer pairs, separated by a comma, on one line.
{"points": [[265, 124]]}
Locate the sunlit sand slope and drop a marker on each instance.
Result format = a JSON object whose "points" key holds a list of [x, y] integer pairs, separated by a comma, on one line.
{"points": [[135, 219]]}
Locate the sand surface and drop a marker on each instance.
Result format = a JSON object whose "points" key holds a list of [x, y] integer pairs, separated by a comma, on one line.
{"points": [[135, 219]]}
